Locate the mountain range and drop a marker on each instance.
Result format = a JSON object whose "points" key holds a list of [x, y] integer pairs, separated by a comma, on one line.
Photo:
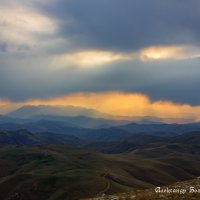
{"points": [[50, 156], [25, 112], [30, 111]]}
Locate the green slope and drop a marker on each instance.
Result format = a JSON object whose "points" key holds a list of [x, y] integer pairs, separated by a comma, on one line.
{"points": [[57, 172]]}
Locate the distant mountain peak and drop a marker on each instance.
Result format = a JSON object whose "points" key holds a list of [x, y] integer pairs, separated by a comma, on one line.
{"points": [[31, 111]]}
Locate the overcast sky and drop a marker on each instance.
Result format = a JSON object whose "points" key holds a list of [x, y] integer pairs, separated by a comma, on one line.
{"points": [[63, 47]]}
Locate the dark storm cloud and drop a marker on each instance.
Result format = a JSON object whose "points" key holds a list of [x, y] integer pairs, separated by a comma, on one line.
{"points": [[126, 25], [26, 71], [177, 81]]}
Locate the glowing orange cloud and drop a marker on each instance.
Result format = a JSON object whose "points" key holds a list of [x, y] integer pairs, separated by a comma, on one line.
{"points": [[4, 102], [6, 106], [124, 104]]}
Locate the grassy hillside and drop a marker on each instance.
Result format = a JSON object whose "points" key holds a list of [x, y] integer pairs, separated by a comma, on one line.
{"points": [[57, 172]]}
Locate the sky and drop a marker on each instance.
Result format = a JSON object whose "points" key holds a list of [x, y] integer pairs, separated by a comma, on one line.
{"points": [[122, 57]]}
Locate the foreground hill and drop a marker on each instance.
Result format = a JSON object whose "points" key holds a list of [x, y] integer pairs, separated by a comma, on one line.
{"points": [[187, 190], [57, 172]]}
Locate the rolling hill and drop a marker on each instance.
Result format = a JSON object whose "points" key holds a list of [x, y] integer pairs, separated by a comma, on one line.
{"points": [[57, 171], [26, 138]]}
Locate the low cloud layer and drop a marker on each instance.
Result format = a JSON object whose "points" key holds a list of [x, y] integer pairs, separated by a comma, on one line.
{"points": [[121, 104]]}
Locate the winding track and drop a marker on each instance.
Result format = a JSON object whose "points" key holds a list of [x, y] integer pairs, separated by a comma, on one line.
{"points": [[107, 185]]}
